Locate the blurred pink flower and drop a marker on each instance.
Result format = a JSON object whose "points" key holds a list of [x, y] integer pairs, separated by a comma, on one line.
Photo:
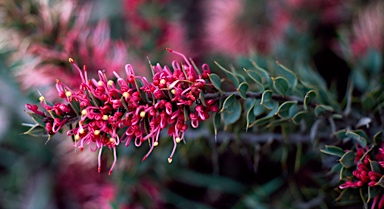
{"points": [[236, 27], [63, 31], [368, 29], [78, 185]]}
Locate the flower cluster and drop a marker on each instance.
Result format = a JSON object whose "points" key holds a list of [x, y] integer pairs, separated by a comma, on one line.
{"points": [[106, 113], [367, 173]]}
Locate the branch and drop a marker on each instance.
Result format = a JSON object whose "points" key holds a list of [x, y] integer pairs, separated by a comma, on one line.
{"points": [[255, 95]]}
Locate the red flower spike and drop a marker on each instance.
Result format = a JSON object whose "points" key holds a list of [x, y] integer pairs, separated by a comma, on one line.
{"points": [[106, 107]]}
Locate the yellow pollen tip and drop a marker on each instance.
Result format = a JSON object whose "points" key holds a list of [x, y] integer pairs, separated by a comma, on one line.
{"points": [[100, 83], [125, 94], [178, 139], [142, 114], [110, 83], [77, 137], [70, 60], [68, 93], [41, 98], [96, 132], [155, 144], [84, 112], [81, 131], [173, 91], [112, 140], [105, 117], [163, 81], [169, 160]]}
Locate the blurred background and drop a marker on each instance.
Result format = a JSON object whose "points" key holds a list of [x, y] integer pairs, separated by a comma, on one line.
{"points": [[339, 39]]}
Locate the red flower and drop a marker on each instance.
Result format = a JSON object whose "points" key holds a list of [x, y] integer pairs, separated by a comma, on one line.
{"points": [[101, 109]]}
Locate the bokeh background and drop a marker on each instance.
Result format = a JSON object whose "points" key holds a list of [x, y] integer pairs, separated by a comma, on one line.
{"points": [[339, 39]]}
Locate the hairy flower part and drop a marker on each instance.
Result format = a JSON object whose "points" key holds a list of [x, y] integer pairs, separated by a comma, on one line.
{"points": [[364, 175], [60, 31], [106, 113], [368, 30]]}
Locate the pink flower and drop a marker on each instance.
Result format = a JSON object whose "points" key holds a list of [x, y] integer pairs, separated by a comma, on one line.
{"points": [[368, 30], [100, 110], [236, 27]]}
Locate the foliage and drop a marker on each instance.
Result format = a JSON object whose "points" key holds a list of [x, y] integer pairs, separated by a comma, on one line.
{"points": [[255, 127]]}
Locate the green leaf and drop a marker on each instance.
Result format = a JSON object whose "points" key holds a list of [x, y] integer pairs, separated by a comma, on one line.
{"points": [[37, 118], [75, 106], [345, 173], [201, 98], [373, 192], [284, 108], [215, 79], [336, 168], [337, 116], [249, 104], [263, 73], [288, 74], [375, 166], [230, 74], [216, 122], [377, 139], [340, 134], [264, 120], [258, 109], [333, 150], [256, 78], [323, 110], [357, 137], [361, 132], [36, 131], [348, 159], [299, 116], [380, 182], [266, 99], [308, 97], [281, 85], [232, 112], [227, 102], [242, 89]]}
